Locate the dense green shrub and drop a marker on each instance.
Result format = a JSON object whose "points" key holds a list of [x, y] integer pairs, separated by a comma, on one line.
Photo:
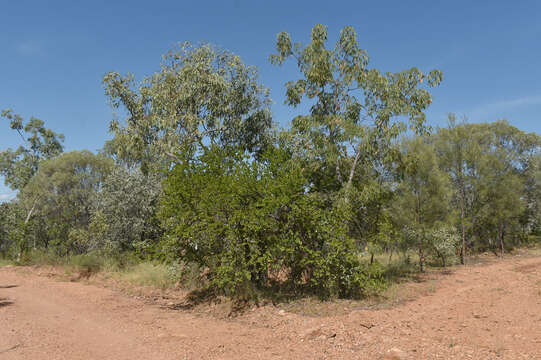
{"points": [[11, 229], [253, 224]]}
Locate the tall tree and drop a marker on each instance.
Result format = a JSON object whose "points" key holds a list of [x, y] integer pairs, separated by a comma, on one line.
{"points": [[532, 217], [507, 153], [356, 111], [201, 96], [457, 152], [38, 144], [422, 195], [65, 188]]}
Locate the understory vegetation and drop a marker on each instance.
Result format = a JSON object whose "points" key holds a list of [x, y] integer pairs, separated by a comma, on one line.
{"points": [[199, 186]]}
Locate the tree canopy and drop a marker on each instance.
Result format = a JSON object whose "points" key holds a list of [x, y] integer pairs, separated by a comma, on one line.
{"points": [[38, 144], [201, 96]]}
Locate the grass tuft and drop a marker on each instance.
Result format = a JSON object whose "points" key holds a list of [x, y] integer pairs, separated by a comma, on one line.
{"points": [[149, 274], [5, 262]]}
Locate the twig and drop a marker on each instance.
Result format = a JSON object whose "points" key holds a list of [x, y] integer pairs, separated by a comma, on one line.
{"points": [[9, 349]]}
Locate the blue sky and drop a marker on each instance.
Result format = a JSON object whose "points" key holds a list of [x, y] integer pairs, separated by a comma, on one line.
{"points": [[54, 53]]}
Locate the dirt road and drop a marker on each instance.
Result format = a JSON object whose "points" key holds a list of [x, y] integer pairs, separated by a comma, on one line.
{"points": [[478, 312]]}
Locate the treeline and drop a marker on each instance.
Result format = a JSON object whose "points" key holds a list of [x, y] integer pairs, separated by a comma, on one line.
{"points": [[198, 173]]}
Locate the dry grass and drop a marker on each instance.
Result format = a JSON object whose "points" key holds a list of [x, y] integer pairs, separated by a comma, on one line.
{"points": [[405, 284], [147, 274]]}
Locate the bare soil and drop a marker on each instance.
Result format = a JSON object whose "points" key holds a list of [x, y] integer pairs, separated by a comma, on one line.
{"points": [[482, 311]]}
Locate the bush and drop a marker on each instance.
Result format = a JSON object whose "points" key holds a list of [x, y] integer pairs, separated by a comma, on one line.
{"points": [[244, 220], [39, 257], [123, 218], [444, 242], [86, 264]]}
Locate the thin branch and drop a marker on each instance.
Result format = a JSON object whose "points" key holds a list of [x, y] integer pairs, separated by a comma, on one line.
{"points": [[352, 172]]}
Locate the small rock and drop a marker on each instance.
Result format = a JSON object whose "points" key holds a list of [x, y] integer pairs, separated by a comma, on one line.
{"points": [[395, 354], [312, 333], [281, 312]]}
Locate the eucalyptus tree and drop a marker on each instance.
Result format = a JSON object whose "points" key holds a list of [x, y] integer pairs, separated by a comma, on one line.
{"points": [[123, 215], [65, 188], [200, 96], [356, 111], [38, 144]]}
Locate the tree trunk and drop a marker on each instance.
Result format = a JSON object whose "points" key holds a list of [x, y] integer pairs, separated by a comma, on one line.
{"points": [[29, 215], [421, 236], [352, 171], [501, 234], [421, 257]]}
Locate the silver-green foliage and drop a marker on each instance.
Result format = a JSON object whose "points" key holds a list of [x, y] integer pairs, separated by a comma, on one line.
{"points": [[444, 241], [201, 95], [123, 215], [356, 111]]}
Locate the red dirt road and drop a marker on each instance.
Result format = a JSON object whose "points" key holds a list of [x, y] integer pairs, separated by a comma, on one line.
{"points": [[478, 312]]}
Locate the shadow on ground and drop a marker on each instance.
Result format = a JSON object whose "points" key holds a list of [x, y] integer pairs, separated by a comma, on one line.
{"points": [[5, 302]]}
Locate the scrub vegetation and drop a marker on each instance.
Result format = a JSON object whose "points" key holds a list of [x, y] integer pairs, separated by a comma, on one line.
{"points": [[198, 186]]}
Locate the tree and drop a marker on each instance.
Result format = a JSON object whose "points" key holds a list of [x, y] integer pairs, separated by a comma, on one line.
{"points": [[124, 213], [500, 192], [39, 143], [356, 111], [201, 96], [422, 195], [65, 189], [457, 152], [531, 219], [11, 236], [507, 153]]}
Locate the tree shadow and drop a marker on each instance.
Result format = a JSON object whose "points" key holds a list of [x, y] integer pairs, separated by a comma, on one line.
{"points": [[5, 302], [194, 298]]}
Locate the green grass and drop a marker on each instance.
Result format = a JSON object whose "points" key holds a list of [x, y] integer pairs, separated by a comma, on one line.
{"points": [[38, 257], [5, 262]]}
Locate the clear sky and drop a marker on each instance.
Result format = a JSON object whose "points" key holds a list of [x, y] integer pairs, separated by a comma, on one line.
{"points": [[54, 53]]}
